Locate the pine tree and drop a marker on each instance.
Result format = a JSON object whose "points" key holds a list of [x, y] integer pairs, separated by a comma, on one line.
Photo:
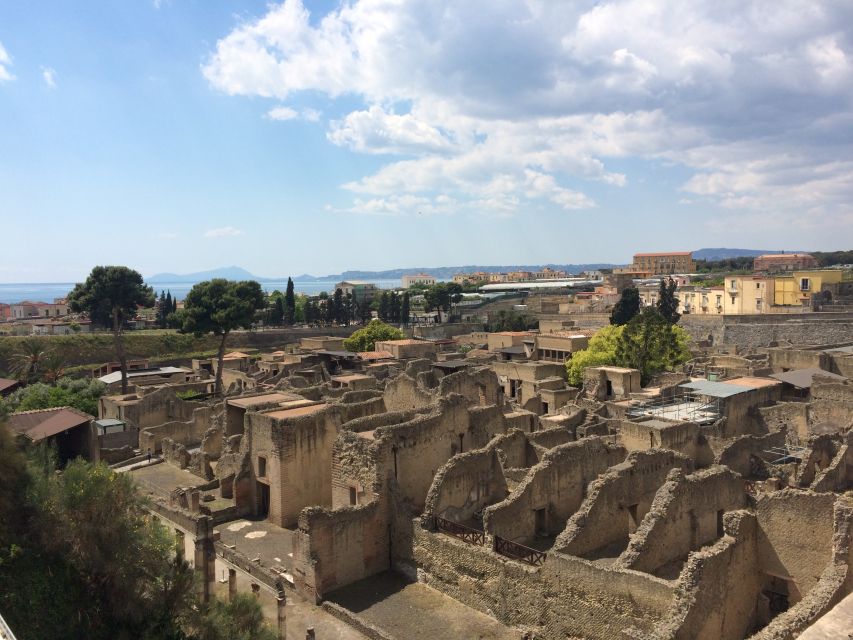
{"points": [[383, 306], [162, 311], [627, 307], [289, 303], [394, 308], [667, 301], [404, 309], [168, 307]]}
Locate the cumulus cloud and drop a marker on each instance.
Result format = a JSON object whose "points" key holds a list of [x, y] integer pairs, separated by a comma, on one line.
{"points": [[5, 63], [222, 232], [283, 113], [504, 103], [48, 74]]}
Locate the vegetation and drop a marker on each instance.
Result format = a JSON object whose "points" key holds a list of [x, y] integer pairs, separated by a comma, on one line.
{"points": [[667, 303], [111, 296], [365, 339], [394, 308], [649, 342], [726, 265], [441, 296], [67, 392], [80, 558], [219, 306], [627, 307], [600, 351], [289, 303], [831, 258], [27, 361], [652, 344], [509, 320], [166, 306]]}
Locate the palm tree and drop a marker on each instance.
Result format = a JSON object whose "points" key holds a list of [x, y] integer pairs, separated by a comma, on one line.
{"points": [[53, 366], [28, 361]]}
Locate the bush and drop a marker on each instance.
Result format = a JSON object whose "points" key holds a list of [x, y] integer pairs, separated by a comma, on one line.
{"points": [[68, 392], [376, 331]]}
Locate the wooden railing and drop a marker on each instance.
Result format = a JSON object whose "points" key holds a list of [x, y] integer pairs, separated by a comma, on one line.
{"points": [[468, 534], [519, 551]]}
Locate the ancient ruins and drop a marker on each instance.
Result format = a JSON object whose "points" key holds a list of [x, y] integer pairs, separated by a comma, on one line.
{"points": [[712, 503]]}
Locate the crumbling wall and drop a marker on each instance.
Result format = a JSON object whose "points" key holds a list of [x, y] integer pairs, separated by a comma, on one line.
{"points": [[188, 433], [795, 540], [403, 393], [557, 484], [617, 501], [686, 514], [791, 417], [478, 386], [838, 476], [354, 470], [550, 438], [717, 589], [566, 597], [355, 410], [334, 548], [513, 450], [745, 455], [466, 484], [484, 423]]}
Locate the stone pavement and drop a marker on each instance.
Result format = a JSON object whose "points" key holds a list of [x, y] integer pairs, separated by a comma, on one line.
{"points": [[413, 611]]}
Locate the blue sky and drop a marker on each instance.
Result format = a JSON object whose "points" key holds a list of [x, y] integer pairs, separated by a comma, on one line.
{"points": [[183, 135]]}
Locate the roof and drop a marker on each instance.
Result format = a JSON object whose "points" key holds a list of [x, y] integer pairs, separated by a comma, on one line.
{"points": [[451, 364], [266, 398], [847, 349], [513, 333], [350, 377], [663, 253], [516, 350], [235, 355], [375, 355], [716, 389], [785, 255], [418, 275], [404, 342], [357, 282], [296, 412], [337, 354], [44, 423], [115, 376], [803, 378], [6, 383]]}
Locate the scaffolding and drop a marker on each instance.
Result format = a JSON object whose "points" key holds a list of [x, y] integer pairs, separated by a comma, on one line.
{"points": [[786, 455], [687, 406]]}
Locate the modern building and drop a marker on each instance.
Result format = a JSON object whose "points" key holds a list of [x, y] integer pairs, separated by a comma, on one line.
{"points": [[418, 278], [361, 290], [781, 262]]}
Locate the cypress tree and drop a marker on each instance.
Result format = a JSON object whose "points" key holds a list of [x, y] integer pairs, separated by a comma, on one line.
{"points": [[404, 309], [289, 303]]}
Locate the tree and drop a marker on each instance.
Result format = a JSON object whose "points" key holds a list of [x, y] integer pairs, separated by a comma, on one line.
{"points": [[162, 310], [53, 367], [651, 344], [365, 339], [667, 303], [289, 303], [111, 296], [405, 312], [338, 309], [239, 619], [384, 306], [79, 393], [219, 306], [627, 307], [441, 296], [28, 360], [600, 351]]}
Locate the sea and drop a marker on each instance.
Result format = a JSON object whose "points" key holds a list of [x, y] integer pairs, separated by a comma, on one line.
{"points": [[48, 291]]}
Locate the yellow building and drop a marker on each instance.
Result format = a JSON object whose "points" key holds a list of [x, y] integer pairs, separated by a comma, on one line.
{"points": [[797, 288], [775, 294], [747, 294]]}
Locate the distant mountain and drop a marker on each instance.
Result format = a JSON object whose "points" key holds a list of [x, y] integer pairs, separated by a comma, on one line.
{"points": [[229, 273], [447, 273], [723, 254]]}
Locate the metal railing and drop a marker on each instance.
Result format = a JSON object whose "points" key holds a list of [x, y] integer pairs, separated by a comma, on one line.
{"points": [[468, 534], [5, 631], [517, 551]]}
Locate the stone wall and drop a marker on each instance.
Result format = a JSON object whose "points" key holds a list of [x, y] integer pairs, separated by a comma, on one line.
{"points": [[466, 484], [556, 485], [685, 515], [334, 548], [184, 432], [616, 503], [566, 597]]}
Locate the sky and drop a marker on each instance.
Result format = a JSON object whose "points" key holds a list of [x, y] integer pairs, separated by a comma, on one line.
{"points": [[314, 137]]}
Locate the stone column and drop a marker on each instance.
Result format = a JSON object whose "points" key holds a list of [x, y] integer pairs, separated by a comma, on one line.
{"points": [[281, 602], [232, 584]]}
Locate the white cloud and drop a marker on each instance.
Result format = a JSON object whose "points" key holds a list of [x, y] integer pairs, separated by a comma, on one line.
{"points": [[282, 113], [48, 74], [5, 63], [222, 232], [502, 104]]}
